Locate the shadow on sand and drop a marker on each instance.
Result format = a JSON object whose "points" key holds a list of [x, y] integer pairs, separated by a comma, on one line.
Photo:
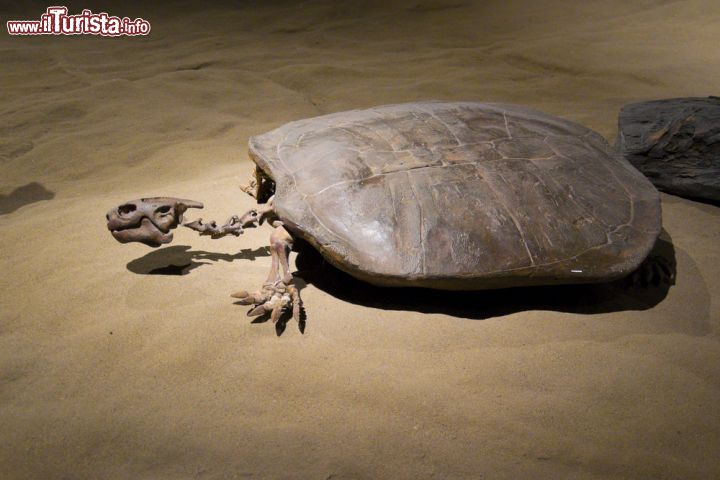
{"points": [[180, 259], [31, 193], [619, 295]]}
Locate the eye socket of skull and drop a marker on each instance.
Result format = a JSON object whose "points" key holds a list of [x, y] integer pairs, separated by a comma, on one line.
{"points": [[126, 209], [167, 217]]}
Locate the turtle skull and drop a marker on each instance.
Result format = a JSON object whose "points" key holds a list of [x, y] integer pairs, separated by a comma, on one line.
{"points": [[148, 220]]}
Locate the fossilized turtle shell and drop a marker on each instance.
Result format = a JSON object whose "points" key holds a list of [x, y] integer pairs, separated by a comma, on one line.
{"points": [[460, 196]]}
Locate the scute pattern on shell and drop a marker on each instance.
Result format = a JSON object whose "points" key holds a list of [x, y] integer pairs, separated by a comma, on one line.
{"points": [[460, 196]]}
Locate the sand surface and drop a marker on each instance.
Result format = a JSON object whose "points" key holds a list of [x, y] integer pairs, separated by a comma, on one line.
{"points": [[111, 367]]}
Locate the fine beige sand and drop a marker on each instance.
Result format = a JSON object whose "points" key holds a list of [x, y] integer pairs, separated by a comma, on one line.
{"points": [[110, 369]]}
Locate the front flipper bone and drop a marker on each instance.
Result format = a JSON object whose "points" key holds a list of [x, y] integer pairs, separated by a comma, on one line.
{"points": [[260, 186], [277, 293]]}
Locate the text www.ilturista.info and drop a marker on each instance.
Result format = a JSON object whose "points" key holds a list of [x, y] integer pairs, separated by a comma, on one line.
{"points": [[56, 21]]}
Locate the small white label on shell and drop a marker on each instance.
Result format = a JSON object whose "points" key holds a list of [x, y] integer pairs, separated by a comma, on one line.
{"points": [[576, 271]]}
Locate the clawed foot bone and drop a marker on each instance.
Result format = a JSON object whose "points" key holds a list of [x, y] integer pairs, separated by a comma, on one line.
{"points": [[250, 188], [277, 293], [260, 186], [272, 298], [655, 270]]}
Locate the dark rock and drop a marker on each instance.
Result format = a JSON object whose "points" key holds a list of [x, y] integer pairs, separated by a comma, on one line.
{"points": [[675, 143]]}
